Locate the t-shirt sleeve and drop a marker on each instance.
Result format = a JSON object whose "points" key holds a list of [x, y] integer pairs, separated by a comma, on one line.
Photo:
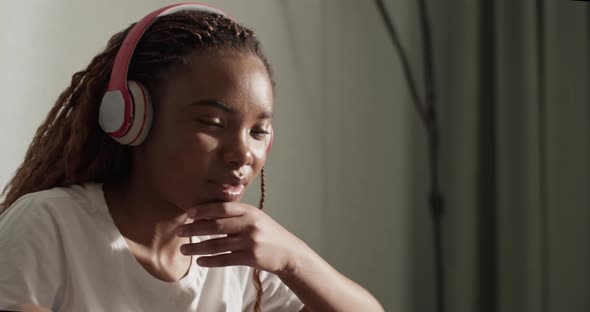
{"points": [[276, 296], [30, 268]]}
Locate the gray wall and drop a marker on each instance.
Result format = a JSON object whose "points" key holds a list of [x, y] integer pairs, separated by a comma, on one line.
{"points": [[348, 170], [367, 117]]}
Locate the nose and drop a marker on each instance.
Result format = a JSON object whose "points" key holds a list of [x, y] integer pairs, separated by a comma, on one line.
{"points": [[237, 151]]}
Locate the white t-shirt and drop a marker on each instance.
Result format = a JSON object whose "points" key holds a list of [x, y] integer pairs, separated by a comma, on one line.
{"points": [[60, 248]]}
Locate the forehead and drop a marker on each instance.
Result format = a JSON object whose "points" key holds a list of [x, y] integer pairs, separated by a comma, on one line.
{"points": [[240, 80]]}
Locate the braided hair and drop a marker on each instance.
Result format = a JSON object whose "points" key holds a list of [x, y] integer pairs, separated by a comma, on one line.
{"points": [[70, 148]]}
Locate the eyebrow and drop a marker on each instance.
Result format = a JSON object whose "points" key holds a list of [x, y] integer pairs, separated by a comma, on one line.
{"points": [[224, 107]]}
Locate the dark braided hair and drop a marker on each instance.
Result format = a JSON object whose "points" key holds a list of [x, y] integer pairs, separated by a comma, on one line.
{"points": [[70, 148]]}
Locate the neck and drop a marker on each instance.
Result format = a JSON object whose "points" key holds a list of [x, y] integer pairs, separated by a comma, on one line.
{"points": [[143, 216]]}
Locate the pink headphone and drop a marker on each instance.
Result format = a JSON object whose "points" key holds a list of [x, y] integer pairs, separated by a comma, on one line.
{"points": [[126, 109]]}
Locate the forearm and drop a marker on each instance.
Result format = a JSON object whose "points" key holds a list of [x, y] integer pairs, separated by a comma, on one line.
{"points": [[323, 288]]}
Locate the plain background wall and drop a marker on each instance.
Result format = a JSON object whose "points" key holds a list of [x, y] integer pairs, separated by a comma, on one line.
{"points": [[337, 173]]}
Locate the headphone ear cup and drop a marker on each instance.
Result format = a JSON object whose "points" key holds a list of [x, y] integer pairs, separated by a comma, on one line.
{"points": [[142, 115], [111, 114]]}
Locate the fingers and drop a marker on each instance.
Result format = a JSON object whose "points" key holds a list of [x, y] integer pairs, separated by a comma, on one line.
{"points": [[215, 245], [216, 210], [228, 259], [212, 227]]}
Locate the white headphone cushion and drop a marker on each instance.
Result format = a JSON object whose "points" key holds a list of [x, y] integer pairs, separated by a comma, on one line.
{"points": [[112, 111], [142, 115]]}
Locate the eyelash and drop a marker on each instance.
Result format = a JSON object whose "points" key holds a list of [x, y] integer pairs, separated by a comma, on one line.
{"points": [[261, 133], [219, 125], [210, 123]]}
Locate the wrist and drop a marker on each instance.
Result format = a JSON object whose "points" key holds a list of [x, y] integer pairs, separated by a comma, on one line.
{"points": [[300, 259]]}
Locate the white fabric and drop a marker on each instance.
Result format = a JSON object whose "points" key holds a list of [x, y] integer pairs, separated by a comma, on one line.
{"points": [[61, 249]]}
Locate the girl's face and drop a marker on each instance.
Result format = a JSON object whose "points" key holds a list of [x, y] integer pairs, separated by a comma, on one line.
{"points": [[210, 130]]}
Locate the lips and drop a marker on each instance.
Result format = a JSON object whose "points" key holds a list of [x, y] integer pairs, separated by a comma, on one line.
{"points": [[231, 191]]}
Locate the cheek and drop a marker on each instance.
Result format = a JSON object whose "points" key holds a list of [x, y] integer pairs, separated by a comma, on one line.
{"points": [[180, 167], [260, 159], [178, 145], [260, 151]]}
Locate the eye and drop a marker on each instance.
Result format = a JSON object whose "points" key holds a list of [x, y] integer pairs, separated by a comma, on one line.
{"points": [[214, 122], [259, 133]]}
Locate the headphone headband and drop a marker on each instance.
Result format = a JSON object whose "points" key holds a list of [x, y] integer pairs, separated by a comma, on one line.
{"points": [[121, 64], [116, 121], [125, 111]]}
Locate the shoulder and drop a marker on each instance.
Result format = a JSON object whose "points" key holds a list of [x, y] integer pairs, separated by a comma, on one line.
{"points": [[48, 202], [38, 217], [32, 232]]}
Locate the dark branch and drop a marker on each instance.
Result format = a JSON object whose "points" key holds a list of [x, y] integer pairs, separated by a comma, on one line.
{"points": [[404, 61]]}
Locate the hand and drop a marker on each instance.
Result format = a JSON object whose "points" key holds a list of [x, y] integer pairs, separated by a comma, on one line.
{"points": [[253, 238]]}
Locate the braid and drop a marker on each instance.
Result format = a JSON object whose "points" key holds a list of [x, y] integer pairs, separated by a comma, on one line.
{"points": [[258, 286], [70, 148], [256, 275], [262, 189], [63, 149]]}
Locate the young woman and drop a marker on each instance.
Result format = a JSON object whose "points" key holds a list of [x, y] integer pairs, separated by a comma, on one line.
{"points": [[136, 207]]}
